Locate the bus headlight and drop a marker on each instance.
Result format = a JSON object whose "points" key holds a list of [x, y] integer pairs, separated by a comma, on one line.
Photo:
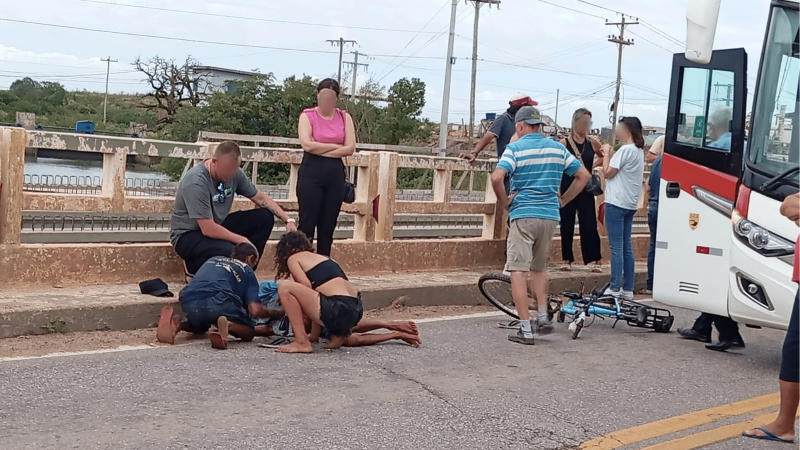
{"points": [[760, 239]]}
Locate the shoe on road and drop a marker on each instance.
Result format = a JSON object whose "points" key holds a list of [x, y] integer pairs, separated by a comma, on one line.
{"points": [[519, 338], [689, 333]]}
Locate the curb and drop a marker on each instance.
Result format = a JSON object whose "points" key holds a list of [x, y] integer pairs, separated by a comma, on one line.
{"points": [[145, 315]]}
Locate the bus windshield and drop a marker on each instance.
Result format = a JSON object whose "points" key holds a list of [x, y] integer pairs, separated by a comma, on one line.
{"points": [[773, 140]]}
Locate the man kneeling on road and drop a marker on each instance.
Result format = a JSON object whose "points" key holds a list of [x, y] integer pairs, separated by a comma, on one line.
{"points": [[224, 292], [535, 164], [201, 226]]}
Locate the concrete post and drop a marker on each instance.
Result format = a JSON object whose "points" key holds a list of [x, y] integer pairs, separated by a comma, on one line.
{"points": [[387, 188], [442, 185], [366, 192], [494, 225], [114, 179], [12, 174], [293, 170]]}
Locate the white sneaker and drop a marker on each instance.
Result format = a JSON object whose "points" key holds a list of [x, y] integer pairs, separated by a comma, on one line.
{"points": [[612, 292], [506, 273], [626, 295]]}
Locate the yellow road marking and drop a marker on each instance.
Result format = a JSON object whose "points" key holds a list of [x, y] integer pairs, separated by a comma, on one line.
{"points": [[714, 436], [678, 423]]}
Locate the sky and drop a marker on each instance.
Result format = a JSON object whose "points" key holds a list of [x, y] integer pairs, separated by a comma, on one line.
{"points": [[536, 47]]}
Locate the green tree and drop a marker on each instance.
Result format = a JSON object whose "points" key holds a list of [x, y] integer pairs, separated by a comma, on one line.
{"points": [[401, 120], [298, 94]]}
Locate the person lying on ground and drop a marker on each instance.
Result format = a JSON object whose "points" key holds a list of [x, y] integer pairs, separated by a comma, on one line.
{"points": [[404, 330], [320, 292], [223, 293]]}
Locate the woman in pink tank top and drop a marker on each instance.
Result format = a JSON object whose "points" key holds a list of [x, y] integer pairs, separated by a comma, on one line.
{"points": [[327, 135]]}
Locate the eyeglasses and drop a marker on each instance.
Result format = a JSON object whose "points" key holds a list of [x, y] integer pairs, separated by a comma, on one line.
{"points": [[221, 196]]}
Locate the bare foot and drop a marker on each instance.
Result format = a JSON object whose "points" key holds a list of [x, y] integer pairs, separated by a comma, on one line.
{"points": [[405, 326], [295, 347], [219, 338], [167, 328], [410, 339]]}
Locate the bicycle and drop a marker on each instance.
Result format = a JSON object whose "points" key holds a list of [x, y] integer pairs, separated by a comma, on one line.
{"points": [[496, 288]]}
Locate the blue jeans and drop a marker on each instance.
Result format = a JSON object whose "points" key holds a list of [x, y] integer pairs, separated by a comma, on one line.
{"points": [[652, 221], [619, 223]]}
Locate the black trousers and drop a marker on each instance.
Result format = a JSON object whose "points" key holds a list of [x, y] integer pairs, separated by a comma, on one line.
{"points": [[727, 327], [790, 367], [195, 248], [583, 205], [320, 191]]}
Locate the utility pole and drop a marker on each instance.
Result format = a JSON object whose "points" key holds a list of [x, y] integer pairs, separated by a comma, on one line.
{"points": [[728, 98], [443, 131], [556, 119], [341, 42], [355, 65], [108, 72], [621, 43], [478, 4]]}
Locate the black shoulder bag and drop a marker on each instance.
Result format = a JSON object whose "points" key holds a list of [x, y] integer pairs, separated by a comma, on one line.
{"points": [[594, 186]]}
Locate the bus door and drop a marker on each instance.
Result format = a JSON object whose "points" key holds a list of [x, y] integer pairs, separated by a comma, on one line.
{"points": [[701, 167]]}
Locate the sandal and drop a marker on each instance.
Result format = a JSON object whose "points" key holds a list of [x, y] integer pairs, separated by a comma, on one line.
{"points": [[768, 436], [513, 325], [597, 269], [275, 342], [566, 267]]}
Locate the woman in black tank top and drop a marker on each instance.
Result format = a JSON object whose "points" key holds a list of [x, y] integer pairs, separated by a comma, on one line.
{"points": [[580, 145]]}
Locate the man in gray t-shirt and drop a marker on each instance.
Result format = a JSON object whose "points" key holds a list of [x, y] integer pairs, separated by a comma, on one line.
{"points": [[202, 226]]}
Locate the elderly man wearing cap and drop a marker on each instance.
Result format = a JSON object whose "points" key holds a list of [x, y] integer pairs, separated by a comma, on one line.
{"points": [[535, 165], [502, 128]]}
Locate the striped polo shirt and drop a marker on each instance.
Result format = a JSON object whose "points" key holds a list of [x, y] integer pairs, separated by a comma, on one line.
{"points": [[536, 164]]}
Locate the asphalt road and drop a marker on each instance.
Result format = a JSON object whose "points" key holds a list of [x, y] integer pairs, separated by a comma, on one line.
{"points": [[467, 387]]}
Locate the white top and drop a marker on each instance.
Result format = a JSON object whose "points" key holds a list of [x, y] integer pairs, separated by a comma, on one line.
{"points": [[624, 189]]}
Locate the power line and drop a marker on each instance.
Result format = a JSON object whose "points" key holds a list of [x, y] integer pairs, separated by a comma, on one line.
{"points": [[574, 10], [648, 40], [663, 34], [546, 69], [603, 7], [226, 16]]}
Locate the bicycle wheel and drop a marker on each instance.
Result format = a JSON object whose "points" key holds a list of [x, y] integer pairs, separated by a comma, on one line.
{"points": [[497, 289]]}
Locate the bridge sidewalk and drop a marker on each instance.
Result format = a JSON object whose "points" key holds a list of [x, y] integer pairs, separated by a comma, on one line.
{"points": [[37, 310]]}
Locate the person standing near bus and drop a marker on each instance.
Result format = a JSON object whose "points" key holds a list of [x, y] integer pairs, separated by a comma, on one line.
{"points": [[654, 158], [534, 164], [624, 172], [782, 428], [327, 135], [584, 148]]}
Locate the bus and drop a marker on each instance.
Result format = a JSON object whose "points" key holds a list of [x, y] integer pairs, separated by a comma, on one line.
{"points": [[722, 246]]}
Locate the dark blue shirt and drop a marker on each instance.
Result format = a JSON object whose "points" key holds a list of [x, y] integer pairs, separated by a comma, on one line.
{"points": [[655, 179], [223, 275], [503, 129]]}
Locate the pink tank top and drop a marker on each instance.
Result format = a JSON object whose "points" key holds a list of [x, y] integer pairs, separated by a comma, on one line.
{"points": [[326, 131]]}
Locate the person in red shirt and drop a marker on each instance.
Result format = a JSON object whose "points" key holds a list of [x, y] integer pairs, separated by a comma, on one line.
{"points": [[782, 428]]}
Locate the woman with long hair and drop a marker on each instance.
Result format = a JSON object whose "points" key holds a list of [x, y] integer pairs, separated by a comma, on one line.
{"points": [[319, 291], [624, 172], [584, 148], [327, 135]]}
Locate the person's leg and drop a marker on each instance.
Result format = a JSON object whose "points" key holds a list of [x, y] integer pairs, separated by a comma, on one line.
{"points": [[652, 215], [783, 425], [587, 226], [298, 301], [568, 231], [361, 339], [403, 326], [728, 329], [255, 224], [519, 246], [543, 230], [195, 248], [309, 200], [329, 211], [629, 267], [700, 330], [219, 338], [615, 227]]}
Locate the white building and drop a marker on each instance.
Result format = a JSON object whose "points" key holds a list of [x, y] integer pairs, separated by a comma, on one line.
{"points": [[219, 77]]}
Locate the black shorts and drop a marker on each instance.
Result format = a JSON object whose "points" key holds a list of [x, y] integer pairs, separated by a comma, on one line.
{"points": [[340, 313], [790, 359]]}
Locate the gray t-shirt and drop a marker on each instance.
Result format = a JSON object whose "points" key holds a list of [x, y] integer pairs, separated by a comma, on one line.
{"points": [[503, 129], [200, 197], [624, 189]]}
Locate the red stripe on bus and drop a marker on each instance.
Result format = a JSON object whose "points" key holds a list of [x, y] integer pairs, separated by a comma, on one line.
{"points": [[689, 174]]}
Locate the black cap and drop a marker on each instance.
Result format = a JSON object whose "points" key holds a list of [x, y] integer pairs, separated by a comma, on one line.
{"points": [[155, 287]]}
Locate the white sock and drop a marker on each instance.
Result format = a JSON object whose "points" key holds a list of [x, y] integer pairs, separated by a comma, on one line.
{"points": [[525, 327], [544, 318]]}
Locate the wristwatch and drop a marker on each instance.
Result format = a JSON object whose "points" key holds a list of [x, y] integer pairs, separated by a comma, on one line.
{"points": [[290, 220]]}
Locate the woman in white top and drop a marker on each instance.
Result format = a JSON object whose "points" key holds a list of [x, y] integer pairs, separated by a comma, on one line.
{"points": [[624, 172]]}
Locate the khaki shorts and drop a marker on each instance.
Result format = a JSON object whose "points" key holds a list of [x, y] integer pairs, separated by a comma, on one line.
{"points": [[528, 244]]}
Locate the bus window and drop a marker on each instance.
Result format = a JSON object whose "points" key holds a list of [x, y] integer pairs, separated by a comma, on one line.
{"points": [[720, 111], [694, 94]]}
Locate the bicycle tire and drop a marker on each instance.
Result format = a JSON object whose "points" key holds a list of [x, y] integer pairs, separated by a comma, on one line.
{"points": [[498, 303]]}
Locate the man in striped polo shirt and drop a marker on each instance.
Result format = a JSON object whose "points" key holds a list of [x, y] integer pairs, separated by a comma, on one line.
{"points": [[535, 164]]}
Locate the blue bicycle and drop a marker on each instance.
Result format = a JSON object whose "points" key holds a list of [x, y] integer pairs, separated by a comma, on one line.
{"points": [[582, 307]]}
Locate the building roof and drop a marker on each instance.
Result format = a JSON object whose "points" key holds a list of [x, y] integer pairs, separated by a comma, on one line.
{"points": [[222, 70]]}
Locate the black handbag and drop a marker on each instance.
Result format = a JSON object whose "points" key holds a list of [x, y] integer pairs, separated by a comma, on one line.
{"points": [[594, 186], [349, 192]]}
